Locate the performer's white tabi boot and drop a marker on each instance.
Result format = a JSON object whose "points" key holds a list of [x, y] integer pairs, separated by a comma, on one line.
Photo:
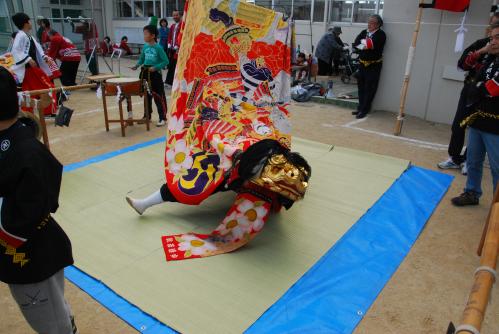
{"points": [[141, 205]]}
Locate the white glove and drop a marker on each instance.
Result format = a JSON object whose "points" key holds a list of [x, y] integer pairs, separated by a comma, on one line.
{"points": [[346, 48], [363, 42], [361, 46]]}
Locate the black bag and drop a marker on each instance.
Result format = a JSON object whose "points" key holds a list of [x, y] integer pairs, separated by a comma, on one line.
{"points": [[63, 116]]}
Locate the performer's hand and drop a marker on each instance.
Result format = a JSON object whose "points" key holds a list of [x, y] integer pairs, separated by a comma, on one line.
{"points": [[32, 63], [485, 49], [152, 69]]}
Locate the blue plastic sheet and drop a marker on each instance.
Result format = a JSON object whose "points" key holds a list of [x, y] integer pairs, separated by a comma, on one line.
{"points": [[131, 314], [335, 294]]}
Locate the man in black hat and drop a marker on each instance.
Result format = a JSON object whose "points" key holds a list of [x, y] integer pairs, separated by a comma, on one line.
{"points": [[33, 248]]}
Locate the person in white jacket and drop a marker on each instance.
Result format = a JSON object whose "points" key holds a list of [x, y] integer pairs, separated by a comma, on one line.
{"points": [[30, 64]]}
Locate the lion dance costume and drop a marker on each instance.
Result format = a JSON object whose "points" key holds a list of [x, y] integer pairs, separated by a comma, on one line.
{"points": [[228, 128]]}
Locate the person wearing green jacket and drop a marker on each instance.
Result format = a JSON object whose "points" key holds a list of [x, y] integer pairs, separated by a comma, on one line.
{"points": [[152, 60]]}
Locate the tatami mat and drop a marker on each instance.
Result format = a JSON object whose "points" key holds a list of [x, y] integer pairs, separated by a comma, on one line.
{"points": [[221, 294]]}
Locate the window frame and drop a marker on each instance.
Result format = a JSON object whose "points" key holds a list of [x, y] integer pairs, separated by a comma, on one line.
{"points": [[134, 17], [351, 23]]}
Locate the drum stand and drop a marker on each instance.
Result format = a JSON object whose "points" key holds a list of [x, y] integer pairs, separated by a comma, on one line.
{"points": [[128, 121]]}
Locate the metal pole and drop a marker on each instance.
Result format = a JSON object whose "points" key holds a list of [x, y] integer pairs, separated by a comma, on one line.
{"points": [[62, 20]]}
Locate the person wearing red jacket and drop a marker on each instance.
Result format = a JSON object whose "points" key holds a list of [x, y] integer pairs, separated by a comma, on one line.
{"points": [[63, 49], [124, 46], [106, 47], [173, 46]]}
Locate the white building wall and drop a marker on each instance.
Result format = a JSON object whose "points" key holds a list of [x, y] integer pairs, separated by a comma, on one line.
{"points": [[431, 96]]}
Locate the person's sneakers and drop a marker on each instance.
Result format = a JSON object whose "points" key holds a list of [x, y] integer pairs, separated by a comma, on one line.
{"points": [[161, 123], [448, 164], [360, 115], [466, 198], [464, 168]]}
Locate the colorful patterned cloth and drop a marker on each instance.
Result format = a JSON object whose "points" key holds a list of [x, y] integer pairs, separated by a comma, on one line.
{"points": [[230, 91]]}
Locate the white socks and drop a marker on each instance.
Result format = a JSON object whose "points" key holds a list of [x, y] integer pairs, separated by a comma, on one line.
{"points": [[141, 205]]}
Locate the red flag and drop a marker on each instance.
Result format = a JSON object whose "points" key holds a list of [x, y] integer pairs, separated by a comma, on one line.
{"points": [[451, 5]]}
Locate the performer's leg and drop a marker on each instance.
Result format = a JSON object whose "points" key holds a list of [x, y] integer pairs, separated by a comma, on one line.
{"points": [[158, 197]]}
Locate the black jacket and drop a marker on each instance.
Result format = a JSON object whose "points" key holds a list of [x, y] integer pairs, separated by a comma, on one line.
{"points": [[483, 96], [33, 246], [378, 40]]}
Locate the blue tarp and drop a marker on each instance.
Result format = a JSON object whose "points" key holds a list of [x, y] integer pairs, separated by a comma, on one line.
{"points": [[335, 294]]}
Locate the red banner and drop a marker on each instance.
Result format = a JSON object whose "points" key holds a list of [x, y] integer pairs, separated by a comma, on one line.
{"points": [[450, 5]]}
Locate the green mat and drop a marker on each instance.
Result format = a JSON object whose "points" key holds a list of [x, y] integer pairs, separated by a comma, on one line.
{"points": [[225, 293]]}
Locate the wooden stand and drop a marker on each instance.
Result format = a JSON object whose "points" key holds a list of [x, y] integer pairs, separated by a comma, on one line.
{"points": [[129, 121]]}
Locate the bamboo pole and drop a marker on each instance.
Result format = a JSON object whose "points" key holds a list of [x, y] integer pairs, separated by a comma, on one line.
{"points": [[474, 312], [486, 227], [408, 68], [56, 89], [41, 116]]}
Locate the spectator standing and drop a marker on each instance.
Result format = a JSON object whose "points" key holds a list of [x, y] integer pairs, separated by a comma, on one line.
{"points": [[457, 160], [88, 30], [163, 34], [371, 43], [482, 102], [173, 46]]}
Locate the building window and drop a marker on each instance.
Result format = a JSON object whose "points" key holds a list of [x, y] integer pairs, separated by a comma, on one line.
{"points": [[283, 6], [5, 25], [136, 8], [355, 11], [122, 8], [56, 12], [171, 5], [319, 8], [264, 3], [302, 9], [66, 2], [362, 10]]}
